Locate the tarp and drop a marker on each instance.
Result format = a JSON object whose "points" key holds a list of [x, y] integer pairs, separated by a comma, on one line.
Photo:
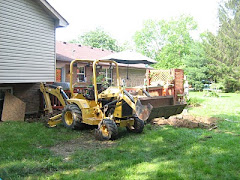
{"points": [[129, 57]]}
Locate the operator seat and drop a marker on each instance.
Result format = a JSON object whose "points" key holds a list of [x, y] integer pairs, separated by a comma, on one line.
{"points": [[91, 95]]}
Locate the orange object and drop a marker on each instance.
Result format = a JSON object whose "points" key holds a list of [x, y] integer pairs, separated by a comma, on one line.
{"points": [[58, 75]]}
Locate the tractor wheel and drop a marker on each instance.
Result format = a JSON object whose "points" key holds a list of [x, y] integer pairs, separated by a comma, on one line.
{"points": [[72, 117], [107, 130], [166, 117], [137, 127]]}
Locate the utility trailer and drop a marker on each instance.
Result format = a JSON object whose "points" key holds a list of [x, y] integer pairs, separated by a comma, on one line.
{"points": [[167, 88]]}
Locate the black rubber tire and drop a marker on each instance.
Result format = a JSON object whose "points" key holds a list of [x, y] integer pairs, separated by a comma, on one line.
{"points": [[111, 128], [166, 117], [137, 127], [76, 113]]}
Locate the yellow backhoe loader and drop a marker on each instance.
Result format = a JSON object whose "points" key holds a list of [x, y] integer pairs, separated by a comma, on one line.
{"points": [[108, 108]]}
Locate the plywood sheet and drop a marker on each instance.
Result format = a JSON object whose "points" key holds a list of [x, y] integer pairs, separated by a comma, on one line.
{"points": [[13, 108]]}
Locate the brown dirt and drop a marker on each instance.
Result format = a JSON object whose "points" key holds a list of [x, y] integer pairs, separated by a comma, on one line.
{"points": [[41, 117], [86, 141], [187, 121]]}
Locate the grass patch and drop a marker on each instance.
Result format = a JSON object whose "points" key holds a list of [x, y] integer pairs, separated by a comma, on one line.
{"points": [[226, 106], [158, 153]]}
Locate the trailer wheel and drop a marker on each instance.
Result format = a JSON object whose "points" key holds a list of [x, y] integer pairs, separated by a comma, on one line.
{"points": [[72, 117], [107, 130], [137, 127]]}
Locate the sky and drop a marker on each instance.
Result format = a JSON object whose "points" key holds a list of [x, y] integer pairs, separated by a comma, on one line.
{"points": [[122, 18]]}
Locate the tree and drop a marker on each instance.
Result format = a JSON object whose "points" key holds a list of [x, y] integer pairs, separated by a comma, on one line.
{"points": [[224, 48], [196, 66], [166, 41], [98, 38], [127, 45]]}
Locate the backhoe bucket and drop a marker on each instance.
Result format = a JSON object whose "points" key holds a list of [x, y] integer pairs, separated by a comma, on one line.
{"points": [[163, 106]]}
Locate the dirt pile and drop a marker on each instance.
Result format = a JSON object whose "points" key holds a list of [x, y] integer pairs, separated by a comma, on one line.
{"points": [[187, 121]]}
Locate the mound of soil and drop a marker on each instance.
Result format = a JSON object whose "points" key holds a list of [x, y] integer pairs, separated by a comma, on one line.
{"points": [[187, 121]]}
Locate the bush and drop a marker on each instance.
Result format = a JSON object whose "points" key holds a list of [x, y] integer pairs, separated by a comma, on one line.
{"points": [[198, 86], [194, 101], [231, 85], [237, 92], [213, 94]]}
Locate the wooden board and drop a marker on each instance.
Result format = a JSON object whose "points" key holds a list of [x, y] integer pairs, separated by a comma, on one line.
{"points": [[13, 108]]}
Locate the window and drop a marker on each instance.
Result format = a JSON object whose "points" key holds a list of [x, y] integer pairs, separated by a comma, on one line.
{"points": [[81, 74], [106, 75], [109, 76]]}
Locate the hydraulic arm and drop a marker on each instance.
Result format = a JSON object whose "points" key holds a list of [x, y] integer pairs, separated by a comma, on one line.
{"points": [[58, 92]]}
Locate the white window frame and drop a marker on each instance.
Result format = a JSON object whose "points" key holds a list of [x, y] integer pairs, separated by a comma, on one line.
{"points": [[106, 73], [84, 74], [63, 74]]}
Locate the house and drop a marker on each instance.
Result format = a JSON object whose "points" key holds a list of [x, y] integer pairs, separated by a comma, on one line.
{"points": [[133, 74], [27, 48]]}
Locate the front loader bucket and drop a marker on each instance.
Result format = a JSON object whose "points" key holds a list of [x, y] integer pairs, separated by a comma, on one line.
{"points": [[163, 106], [143, 111]]}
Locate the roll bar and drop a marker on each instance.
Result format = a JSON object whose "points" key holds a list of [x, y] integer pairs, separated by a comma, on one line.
{"points": [[94, 74]]}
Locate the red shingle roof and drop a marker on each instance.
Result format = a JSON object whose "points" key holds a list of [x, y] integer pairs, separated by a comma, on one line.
{"points": [[69, 51]]}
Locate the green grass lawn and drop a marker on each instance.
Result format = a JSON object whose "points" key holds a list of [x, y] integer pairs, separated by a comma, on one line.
{"points": [[158, 153]]}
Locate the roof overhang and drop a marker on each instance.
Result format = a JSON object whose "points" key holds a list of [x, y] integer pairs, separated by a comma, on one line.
{"points": [[60, 21]]}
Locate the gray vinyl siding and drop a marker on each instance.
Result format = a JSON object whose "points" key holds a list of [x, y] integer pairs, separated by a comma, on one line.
{"points": [[27, 42]]}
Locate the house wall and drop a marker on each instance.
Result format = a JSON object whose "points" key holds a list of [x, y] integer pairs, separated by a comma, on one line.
{"points": [[66, 67], [28, 93], [27, 43], [88, 75], [135, 76]]}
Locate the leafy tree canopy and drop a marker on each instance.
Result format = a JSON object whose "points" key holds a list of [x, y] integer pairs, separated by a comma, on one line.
{"points": [[196, 66], [224, 48], [98, 38], [166, 41]]}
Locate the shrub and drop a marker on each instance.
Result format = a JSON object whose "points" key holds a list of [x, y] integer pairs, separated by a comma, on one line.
{"points": [[237, 92], [198, 86], [231, 85], [194, 101], [213, 94]]}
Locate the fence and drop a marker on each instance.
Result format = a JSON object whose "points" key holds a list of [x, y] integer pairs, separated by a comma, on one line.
{"points": [[160, 77]]}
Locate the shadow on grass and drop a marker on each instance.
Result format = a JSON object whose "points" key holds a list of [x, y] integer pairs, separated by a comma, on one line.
{"points": [[170, 153], [157, 153], [224, 96]]}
